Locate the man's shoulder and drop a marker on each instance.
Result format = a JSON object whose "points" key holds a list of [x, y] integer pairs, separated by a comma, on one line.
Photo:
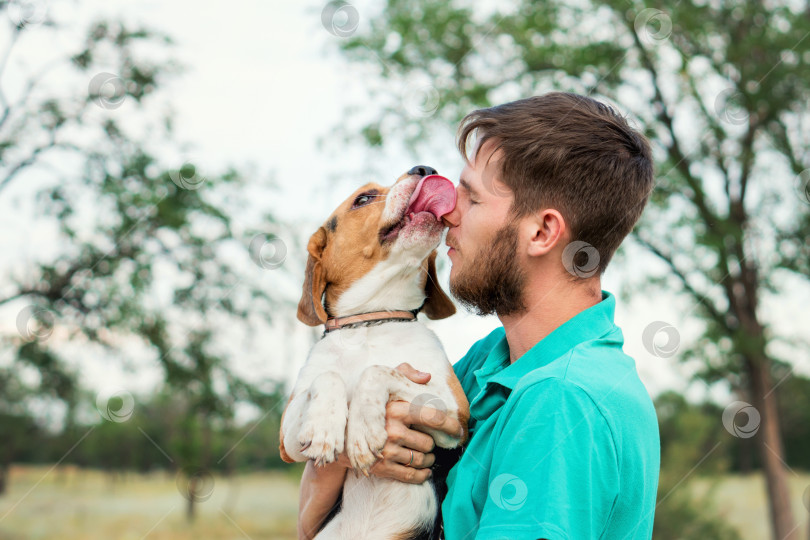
{"points": [[610, 376], [599, 367], [598, 375], [541, 393]]}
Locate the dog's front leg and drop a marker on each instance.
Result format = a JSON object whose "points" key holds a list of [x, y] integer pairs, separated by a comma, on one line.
{"points": [[366, 434], [323, 411]]}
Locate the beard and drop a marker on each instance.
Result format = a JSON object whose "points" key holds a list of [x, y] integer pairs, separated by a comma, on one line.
{"points": [[492, 281]]}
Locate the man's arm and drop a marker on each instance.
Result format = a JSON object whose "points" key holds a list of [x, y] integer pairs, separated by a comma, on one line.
{"points": [[321, 486], [320, 491]]}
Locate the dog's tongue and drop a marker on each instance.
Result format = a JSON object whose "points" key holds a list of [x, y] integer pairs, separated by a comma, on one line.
{"points": [[435, 194]]}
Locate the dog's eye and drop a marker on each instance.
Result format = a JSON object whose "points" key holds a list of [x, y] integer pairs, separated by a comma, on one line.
{"points": [[361, 200]]}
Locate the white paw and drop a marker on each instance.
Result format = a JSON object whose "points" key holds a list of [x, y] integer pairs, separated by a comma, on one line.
{"points": [[321, 437], [442, 439], [366, 436]]}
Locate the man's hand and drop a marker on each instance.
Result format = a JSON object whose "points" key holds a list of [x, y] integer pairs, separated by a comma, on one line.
{"points": [[400, 416]]}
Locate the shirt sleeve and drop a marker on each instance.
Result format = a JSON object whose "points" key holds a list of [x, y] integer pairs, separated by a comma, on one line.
{"points": [[554, 472]]}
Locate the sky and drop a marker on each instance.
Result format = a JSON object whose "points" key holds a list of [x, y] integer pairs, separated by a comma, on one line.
{"points": [[263, 83]]}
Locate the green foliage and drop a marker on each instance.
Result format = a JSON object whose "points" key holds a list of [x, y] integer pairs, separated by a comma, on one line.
{"points": [[140, 254], [681, 516], [794, 410], [690, 434], [164, 432]]}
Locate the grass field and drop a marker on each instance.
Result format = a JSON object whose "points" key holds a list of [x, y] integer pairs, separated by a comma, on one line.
{"points": [[71, 504], [741, 500]]}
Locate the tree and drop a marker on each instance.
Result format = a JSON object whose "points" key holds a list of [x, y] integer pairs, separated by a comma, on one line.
{"points": [[143, 255], [721, 89], [20, 433]]}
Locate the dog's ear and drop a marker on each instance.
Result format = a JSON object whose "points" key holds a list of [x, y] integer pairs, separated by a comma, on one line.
{"points": [[310, 307], [437, 304]]}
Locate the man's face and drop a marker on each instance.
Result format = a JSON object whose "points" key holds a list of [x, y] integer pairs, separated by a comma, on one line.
{"points": [[486, 276]]}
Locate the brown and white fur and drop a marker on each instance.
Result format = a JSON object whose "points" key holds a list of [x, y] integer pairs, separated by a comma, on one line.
{"points": [[339, 400]]}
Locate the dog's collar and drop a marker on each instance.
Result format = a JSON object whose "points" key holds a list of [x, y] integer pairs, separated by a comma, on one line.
{"points": [[369, 319]]}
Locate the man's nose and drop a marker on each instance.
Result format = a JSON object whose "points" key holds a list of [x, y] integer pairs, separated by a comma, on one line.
{"points": [[423, 170], [452, 218]]}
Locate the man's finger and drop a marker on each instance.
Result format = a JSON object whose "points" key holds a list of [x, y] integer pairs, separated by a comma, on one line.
{"points": [[416, 440], [433, 418], [411, 414], [409, 475], [402, 455], [413, 374]]}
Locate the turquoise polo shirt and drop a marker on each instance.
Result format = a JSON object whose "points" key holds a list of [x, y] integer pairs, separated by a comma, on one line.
{"points": [[564, 441]]}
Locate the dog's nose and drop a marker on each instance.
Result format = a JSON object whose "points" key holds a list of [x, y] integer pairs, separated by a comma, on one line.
{"points": [[423, 170]]}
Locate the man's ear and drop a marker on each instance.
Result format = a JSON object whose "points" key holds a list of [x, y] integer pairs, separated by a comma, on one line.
{"points": [[437, 304], [310, 307]]}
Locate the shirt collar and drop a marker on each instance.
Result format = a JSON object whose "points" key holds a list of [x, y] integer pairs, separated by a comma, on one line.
{"points": [[591, 323], [586, 325]]}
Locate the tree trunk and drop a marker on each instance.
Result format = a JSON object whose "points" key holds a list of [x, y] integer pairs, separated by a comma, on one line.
{"points": [[196, 483], [191, 499], [4, 468], [743, 294], [746, 456], [771, 451]]}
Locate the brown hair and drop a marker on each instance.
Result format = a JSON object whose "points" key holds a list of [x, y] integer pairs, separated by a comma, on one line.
{"points": [[571, 153]]}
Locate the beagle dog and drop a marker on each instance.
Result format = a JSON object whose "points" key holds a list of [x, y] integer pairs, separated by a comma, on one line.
{"points": [[371, 269]]}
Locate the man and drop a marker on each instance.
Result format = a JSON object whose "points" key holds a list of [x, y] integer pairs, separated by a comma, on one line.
{"points": [[563, 436]]}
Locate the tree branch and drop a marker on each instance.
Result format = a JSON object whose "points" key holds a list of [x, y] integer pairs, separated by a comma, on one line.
{"points": [[8, 51], [701, 299], [20, 294], [782, 141], [27, 162], [32, 83], [682, 164]]}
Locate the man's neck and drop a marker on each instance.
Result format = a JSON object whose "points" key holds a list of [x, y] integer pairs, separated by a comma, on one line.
{"points": [[547, 307]]}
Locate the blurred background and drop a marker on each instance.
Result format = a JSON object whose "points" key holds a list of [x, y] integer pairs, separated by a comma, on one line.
{"points": [[162, 165]]}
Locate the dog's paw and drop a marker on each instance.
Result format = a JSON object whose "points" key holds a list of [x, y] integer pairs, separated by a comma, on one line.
{"points": [[366, 437], [442, 439], [321, 437]]}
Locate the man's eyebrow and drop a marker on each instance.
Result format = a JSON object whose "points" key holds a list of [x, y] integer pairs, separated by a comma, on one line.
{"points": [[463, 183]]}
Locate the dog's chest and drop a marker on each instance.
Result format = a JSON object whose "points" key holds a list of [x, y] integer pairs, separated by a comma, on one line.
{"points": [[349, 351]]}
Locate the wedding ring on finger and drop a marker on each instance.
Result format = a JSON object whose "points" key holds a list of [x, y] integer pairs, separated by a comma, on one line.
{"points": [[411, 461]]}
